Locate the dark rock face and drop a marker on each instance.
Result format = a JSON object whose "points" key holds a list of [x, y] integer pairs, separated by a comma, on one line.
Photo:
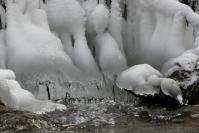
{"points": [[189, 84], [192, 3], [160, 100]]}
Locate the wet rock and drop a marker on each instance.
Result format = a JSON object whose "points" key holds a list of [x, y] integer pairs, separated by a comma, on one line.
{"points": [[17, 120], [145, 116], [189, 84]]}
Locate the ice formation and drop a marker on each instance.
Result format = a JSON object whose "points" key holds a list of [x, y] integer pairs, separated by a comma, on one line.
{"points": [[71, 19], [99, 18], [187, 61], [136, 79], [12, 95], [115, 23], [89, 7], [111, 59], [70, 44], [34, 50], [2, 39], [170, 88], [152, 42]]}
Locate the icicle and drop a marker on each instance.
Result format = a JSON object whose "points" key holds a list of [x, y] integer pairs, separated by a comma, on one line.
{"points": [[115, 23]]}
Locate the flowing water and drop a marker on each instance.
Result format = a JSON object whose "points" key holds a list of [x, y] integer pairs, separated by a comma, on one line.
{"points": [[104, 117]]}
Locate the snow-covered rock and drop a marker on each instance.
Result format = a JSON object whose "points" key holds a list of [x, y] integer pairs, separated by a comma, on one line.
{"points": [[184, 70], [187, 62], [12, 95], [143, 80], [136, 79]]}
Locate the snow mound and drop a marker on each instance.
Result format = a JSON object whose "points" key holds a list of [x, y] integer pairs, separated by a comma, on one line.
{"points": [[13, 96], [187, 62], [7, 74], [136, 79]]}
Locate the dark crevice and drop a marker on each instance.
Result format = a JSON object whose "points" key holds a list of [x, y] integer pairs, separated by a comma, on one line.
{"points": [[125, 12], [192, 3], [73, 41], [48, 92], [108, 3]]}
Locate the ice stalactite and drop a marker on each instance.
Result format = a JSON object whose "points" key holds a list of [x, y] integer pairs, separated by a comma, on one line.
{"points": [[73, 24]]}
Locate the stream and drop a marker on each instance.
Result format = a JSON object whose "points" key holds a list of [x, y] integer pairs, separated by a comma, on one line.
{"points": [[103, 117]]}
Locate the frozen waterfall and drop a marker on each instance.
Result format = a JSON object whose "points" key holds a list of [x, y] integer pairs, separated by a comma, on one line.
{"points": [[87, 49]]}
